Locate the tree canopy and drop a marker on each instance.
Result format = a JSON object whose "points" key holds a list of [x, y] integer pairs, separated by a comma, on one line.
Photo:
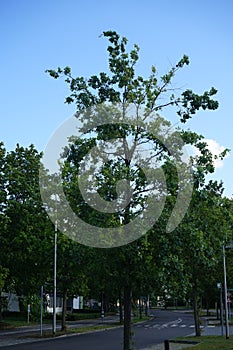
{"points": [[130, 158]]}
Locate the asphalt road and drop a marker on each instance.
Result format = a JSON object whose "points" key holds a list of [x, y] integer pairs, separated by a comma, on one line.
{"points": [[164, 325]]}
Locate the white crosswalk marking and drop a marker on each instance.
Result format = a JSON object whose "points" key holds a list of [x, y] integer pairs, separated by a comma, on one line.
{"points": [[172, 324], [155, 326]]}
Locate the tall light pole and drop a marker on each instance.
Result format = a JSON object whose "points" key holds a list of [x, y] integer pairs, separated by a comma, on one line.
{"points": [[219, 285], [41, 309], [102, 306], [225, 286], [55, 280], [225, 291]]}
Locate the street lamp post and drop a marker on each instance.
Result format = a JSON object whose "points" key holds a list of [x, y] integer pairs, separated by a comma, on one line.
{"points": [[219, 285], [41, 309], [224, 247], [225, 291], [55, 281], [102, 307]]}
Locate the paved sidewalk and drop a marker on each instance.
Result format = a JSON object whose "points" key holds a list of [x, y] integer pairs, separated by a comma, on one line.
{"points": [[172, 346]]}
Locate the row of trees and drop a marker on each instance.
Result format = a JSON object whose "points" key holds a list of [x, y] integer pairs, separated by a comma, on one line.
{"points": [[177, 260], [186, 262]]}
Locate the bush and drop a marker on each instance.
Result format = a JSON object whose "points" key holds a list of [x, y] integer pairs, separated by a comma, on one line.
{"points": [[34, 302]]}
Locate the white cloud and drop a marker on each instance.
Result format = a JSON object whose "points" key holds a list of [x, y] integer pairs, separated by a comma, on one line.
{"points": [[215, 148]]}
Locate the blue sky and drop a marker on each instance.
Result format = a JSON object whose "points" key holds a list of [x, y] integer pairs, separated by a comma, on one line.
{"points": [[37, 35]]}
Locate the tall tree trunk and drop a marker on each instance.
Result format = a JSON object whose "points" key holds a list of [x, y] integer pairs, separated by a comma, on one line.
{"points": [[140, 308], [64, 310], [207, 308], [120, 307], [21, 305], [1, 305], [147, 306], [127, 318], [196, 311], [106, 303]]}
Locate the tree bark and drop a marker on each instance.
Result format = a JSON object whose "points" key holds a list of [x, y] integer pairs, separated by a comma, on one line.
{"points": [[127, 318], [196, 311], [120, 308], [140, 308], [147, 307]]}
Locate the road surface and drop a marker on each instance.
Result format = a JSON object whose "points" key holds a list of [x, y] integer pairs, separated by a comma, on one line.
{"points": [[164, 325]]}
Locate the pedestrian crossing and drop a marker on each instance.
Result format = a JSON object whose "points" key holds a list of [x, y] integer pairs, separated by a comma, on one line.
{"points": [[170, 325]]}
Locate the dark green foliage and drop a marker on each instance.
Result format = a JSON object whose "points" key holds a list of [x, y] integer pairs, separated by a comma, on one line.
{"points": [[122, 85], [157, 257]]}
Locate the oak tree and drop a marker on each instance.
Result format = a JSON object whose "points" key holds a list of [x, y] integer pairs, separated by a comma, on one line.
{"points": [[126, 109]]}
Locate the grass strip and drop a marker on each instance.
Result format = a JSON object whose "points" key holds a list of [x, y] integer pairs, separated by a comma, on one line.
{"points": [[209, 343], [49, 334]]}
